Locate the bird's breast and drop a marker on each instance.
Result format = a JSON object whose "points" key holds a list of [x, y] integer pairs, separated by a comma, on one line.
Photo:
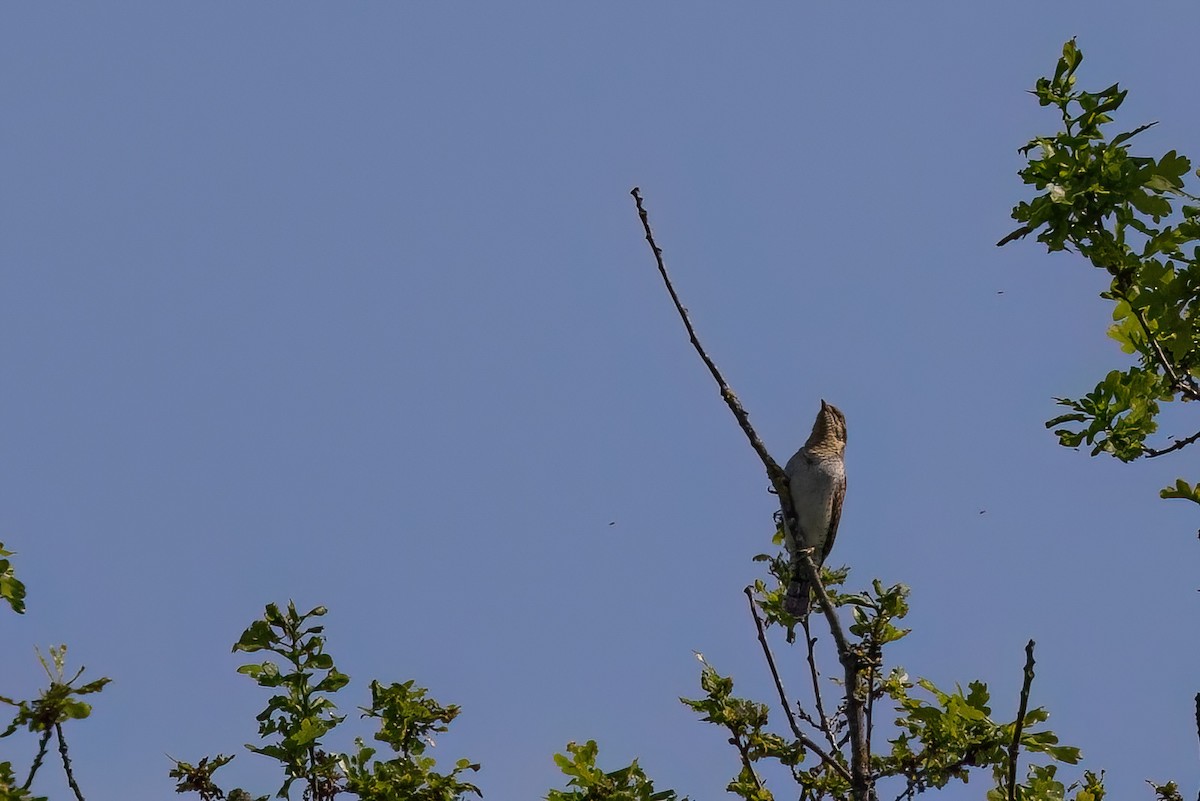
{"points": [[813, 482]]}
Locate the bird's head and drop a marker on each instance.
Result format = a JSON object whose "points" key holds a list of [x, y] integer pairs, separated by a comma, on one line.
{"points": [[828, 431]]}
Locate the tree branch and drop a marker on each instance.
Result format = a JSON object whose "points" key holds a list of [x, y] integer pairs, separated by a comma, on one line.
{"points": [[1198, 714], [816, 684], [37, 760], [743, 750], [1198, 728], [1014, 748], [774, 471], [1150, 453], [870, 702], [806, 741], [66, 760], [861, 788]]}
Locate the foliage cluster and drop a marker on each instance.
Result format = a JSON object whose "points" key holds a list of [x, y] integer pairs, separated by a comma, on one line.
{"points": [[44, 715], [301, 714], [936, 737], [1118, 211]]}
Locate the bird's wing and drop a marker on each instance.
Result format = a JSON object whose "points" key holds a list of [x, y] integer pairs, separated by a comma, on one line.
{"points": [[835, 516]]}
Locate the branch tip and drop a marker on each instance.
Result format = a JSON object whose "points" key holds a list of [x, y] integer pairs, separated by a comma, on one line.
{"points": [[1014, 748], [774, 471]]}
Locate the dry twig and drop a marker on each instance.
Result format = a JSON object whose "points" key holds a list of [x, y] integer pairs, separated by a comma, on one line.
{"points": [[774, 471]]}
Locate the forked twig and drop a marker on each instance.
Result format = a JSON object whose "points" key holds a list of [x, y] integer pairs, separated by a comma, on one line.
{"points": [[787, 707]]}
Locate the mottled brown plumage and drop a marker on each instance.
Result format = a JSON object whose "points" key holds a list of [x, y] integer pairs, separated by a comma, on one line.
{"points": [[817, 480]]}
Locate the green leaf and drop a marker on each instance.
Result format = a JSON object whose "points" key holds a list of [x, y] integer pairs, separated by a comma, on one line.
{"points": [[1097, 199], [257, 637], [1182, 490], [11, 589]]}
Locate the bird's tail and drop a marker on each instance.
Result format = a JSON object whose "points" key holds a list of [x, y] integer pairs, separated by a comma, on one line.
{"points": [[798, 599]]}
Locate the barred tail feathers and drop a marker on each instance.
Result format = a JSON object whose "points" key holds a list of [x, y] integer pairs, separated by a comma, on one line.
{"points": [[798, 600]]}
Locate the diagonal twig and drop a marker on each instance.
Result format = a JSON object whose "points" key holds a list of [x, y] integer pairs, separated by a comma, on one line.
{"points": [[1150, 453], [774, 471], [37, 760], [1015, 747], [743, 749]]}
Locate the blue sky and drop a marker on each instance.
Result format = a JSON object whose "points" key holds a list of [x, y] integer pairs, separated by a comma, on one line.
{"points": [[349, 304]]}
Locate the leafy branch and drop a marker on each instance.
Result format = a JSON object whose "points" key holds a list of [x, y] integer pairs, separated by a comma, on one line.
{"points": [[590, 783], [1118, 211], [301, 714], [44, 715]]}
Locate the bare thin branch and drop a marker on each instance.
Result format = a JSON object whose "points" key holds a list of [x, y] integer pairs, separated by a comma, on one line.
{"points": [[66, 760], [1014, 749], [1198, 714], [874, 673], [37, 760], [911, 789], [787, 707], [774, 471], [1150, 453], [809, 640], [870, 703]]}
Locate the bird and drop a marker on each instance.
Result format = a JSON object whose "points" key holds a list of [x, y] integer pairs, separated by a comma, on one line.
{"points": [[817, 481]]}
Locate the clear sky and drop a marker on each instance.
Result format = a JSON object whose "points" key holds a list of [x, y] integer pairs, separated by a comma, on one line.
{"points": [[348, 303]]}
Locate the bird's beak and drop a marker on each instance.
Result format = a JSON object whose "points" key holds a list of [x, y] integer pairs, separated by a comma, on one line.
{"points": [[824, 405]]}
